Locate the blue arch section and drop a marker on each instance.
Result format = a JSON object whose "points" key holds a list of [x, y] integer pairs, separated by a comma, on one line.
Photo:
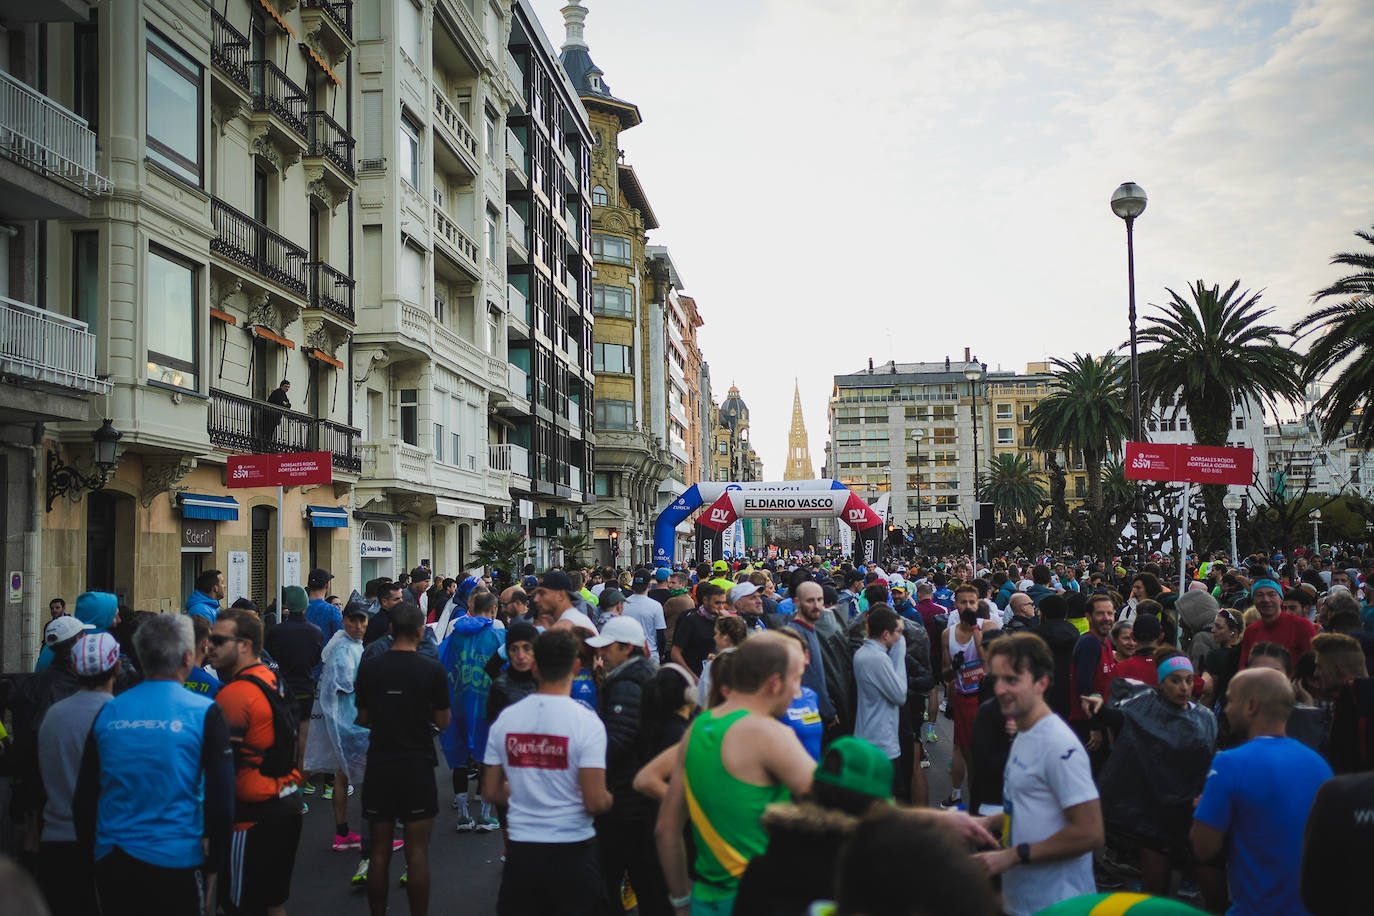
{"points": [[665, 529]]}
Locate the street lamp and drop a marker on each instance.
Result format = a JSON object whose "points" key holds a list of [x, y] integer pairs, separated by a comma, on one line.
{"points": [[974, 374], [66, 480], [1231, 502], [1316, 516], [1128, 202]]}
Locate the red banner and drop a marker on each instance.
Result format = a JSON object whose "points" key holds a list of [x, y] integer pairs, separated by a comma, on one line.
{"points": [[1189, 463], [720, 514], [288, 470]]}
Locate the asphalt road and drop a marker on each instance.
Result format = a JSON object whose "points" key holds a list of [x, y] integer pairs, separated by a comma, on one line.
{"points": [[465, 867]]}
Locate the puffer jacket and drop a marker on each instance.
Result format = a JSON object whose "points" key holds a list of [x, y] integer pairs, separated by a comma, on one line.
{"points": [[621, 695], [804, 845], [202, 605]]}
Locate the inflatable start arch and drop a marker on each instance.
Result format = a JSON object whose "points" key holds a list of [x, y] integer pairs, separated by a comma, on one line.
{"points": [[727, 502]]}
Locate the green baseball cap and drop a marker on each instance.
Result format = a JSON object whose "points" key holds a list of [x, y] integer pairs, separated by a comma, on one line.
{"points": [[293, 598], [857, 765]]}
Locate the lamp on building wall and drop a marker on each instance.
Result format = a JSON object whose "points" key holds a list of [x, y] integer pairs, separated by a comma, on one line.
{"points": [[66, 480], [1128, 202]]}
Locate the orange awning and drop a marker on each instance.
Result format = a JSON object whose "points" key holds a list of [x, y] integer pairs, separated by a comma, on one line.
{"points": [[223, 316], [323, 357], [276, 17], [319, 62], [260, 331]]}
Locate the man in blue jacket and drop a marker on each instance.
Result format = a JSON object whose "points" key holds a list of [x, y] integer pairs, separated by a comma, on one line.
{"points": [[205, 597], [464, 655]]}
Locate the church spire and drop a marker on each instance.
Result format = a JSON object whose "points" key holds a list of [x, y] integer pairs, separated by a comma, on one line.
{"points": [[574, 15], [798, 450]]}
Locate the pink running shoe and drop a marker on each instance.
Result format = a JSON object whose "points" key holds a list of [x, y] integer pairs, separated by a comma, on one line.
{"points": [[347, 842]]}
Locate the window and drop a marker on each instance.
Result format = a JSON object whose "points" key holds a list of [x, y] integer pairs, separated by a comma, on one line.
{"points": [[409, 33], [491, 136], [942, 412], [612, 358], [1080, 488], [172, 310], [613, 300], [944, 435], [408, 150], [946, 504], [493, 235], [599, 197], [410, 416], [86, 70], [174, 109], [604, 484], [410, 283], [86, 278], [1240, 422], [1025, 413], [1004, 411], [1166, 426], [618, 415], [1182, 424], [944, 459], [1006, 435], [921, 460], [610, 248]]}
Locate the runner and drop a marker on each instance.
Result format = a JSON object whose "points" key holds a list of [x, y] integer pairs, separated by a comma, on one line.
{"points": [[403, 699], [965, 667], [464, 655]]}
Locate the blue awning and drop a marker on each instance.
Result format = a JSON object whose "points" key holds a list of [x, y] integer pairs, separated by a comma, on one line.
{"points": [[328, 516], [215, 508]]}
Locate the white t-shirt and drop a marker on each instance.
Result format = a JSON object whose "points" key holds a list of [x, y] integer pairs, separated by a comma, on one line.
{"points": [[649, 613], [542, 741], [1047, 772]]}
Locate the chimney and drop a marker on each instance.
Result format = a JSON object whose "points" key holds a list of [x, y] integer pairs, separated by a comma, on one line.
{"points": [[946, 363], [967, 356], [892, 367], [870, 365]]}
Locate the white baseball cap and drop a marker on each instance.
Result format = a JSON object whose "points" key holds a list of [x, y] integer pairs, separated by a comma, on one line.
{"points": [[619, 629], [63, 629], [742, 590]]}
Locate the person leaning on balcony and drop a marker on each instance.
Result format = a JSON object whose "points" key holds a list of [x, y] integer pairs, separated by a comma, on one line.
{"points": [[280, 397]]}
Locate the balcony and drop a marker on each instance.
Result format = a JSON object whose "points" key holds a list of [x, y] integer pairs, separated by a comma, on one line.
{"points": [[229, 50], [53, 142], [517, 238], [462, 249], [509, 458], [331, 21], [248, 426], [279, 110], [245, 241], [517, 172], [40, 346], [517, 310], [330, 290], [331, 146], [396, 461], [456, 133], [517, 76]]}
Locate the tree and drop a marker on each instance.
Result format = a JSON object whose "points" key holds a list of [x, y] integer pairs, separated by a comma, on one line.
{"points": [[1213, 355], [573, 546], [504, 550], [1345, 334], [1013, 486], [1085, 411]]}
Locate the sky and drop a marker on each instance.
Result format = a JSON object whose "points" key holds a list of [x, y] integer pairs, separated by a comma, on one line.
{"points": [[900, 179]]}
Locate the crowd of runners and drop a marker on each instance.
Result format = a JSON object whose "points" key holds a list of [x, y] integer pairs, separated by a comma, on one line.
{"points": [[748, 737]]}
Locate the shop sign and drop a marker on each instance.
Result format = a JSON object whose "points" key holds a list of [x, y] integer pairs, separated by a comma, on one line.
{"points": [[197, 534]]}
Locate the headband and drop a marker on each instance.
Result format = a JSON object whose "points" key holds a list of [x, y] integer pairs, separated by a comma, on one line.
{"points": [[1266, 583], [1174, 663]]}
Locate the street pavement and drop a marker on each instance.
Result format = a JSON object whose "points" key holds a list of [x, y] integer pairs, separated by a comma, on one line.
{"points": [[465, 867]]}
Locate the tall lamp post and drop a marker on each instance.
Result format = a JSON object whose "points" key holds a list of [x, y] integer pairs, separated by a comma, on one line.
{"points": [[916, 436], [1231, 502], [1316, 516], [974, 374], [1128, 202]]}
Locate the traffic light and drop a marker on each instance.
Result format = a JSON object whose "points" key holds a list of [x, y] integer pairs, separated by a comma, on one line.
{"points": [[615, 542]]}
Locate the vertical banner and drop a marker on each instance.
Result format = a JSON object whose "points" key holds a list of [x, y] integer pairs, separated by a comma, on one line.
{"points": [[708, 544], [291, 569], [236, 576], [868, 545]]}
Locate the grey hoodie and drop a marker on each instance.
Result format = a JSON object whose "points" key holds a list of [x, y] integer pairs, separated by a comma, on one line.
{"points": [[881, 678]]}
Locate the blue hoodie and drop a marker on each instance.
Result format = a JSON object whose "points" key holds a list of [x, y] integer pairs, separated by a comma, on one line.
{"points": [[464, 655], [96, 610], [202, 605]]}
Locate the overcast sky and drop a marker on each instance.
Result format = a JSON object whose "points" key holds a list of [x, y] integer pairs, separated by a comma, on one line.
{"points": [[905, 178]]}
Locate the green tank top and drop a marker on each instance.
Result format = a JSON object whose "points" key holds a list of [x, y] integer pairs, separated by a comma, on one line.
{"points": [[1120, 904], [724, 811]]}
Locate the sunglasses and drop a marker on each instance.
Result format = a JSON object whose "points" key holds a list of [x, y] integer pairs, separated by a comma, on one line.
{"points": [[219, 639]]}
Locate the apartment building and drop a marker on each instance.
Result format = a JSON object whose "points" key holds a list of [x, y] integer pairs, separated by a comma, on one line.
{"points": [[632, 291], [697, 394], [218, 265], [50, 174], [907, 429]]}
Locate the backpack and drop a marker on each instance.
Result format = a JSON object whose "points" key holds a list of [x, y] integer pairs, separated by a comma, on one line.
{"points": [[278, 759]]}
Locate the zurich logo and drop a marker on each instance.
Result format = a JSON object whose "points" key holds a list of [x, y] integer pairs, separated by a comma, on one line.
{"points": [[733, 486]]}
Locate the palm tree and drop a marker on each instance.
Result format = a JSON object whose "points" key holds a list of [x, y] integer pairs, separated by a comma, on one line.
{"points": [[1013, 486], [573, 546], [1346, 333], [1213, 355], [1085, 410], [503, 550]]}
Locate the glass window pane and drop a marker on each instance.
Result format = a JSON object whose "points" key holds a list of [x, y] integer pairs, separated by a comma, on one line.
{"points": [[171, 320], [174, 129]]}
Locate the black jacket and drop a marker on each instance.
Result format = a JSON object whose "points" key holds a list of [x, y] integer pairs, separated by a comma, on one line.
{"points": [[1061, 636], [621, 694], [508, 686], [296, 644], [804, 846], [1018, 624]]}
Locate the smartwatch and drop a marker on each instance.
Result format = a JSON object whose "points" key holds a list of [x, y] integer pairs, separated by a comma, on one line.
{"points": [[1023, 852]]}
